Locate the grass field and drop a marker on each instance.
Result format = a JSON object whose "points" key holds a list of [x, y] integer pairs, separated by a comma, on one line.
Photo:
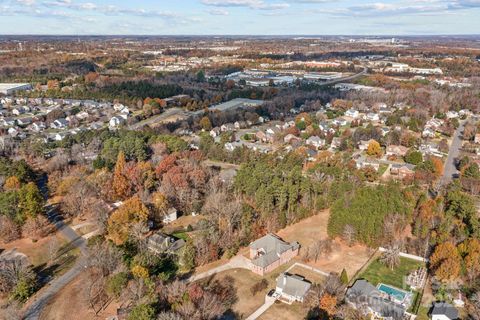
{"points": [[378, 273], [282, 311]]}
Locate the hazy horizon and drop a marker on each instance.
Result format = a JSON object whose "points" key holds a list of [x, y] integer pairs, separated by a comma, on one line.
{"points": [[240, 17]]}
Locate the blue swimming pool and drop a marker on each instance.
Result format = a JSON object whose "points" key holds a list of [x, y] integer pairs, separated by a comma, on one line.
{"points": [[393, 292]]}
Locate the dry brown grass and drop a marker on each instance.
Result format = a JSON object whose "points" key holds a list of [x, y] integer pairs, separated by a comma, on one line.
{"points": [[243, 280], [314, 228], [70, 303], [282, 311]]}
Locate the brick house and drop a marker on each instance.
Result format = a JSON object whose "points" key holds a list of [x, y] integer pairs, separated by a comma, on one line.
{"points": [[270, 252]]}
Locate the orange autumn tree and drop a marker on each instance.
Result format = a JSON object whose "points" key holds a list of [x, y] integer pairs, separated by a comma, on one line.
{"points": [[132, 211], [12, 183], [121, 185], [470, 250], [328, 303], [446, 261], [374, 149], [438, 166]]}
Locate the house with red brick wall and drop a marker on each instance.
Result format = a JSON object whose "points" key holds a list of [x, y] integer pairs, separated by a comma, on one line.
{"points": [[270, 252]]}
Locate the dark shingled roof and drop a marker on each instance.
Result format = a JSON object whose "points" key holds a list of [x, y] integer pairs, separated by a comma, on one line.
{"points": [[446, 309]]}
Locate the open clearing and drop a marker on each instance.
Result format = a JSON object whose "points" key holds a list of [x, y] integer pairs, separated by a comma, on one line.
{"points": [[314, 228], [70, 303]]}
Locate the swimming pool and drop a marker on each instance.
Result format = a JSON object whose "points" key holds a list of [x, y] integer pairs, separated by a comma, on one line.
{"points": [[393, 292]]}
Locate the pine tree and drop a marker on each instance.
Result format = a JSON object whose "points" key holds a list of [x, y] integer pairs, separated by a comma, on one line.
{"points": [[344, 276]]}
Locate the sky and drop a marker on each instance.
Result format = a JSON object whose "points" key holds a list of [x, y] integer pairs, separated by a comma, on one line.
{"points": [[240, 17]]}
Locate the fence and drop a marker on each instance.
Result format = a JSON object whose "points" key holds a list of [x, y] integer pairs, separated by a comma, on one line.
{"points": [[406, 255]]}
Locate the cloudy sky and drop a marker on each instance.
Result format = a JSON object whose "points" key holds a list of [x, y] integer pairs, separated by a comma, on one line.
{"points": [[241, 17]]}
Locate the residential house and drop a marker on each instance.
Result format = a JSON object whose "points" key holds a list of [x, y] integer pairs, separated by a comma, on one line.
{"points": [[161, 243], [315, 141], [396, 150], [25, 121], [363, 162], [402, 170], [59, 136], [262, 136], [96, 125], [444, 311], [82, 115], [452, 114], [170, 216], [270, 252], [372, 116], [352, 113], [20, 110], [365, 297], [59, 124], [215, 132], [336, 143], [116, 121], [38, 126], [7, 122], [428, 132], [227, 127], [363, 144], [340, 122], [290, 138], [384, 131], [240, 125], [292, 288], [477, 138], [430, 149]]}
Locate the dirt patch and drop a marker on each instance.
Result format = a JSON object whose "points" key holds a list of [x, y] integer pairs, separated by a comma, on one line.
{"points": [[37, 252], [70, 303], [314, 228]]}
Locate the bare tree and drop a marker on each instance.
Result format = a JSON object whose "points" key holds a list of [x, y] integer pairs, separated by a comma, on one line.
{"points": [[349, 234], [104, 257], [95, 294], [52, 249], [391, 257]]}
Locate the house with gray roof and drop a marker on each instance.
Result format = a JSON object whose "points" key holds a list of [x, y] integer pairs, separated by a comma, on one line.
{"points": [[292, 288], [366, 297], [444, 311], [270, 252], [161, 243]]}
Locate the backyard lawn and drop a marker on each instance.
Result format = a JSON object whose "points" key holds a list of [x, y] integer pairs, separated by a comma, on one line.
{"points": [[378, 273]]}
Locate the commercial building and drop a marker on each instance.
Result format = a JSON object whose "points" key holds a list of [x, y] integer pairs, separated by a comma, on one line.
{"points": [[11, 88]]}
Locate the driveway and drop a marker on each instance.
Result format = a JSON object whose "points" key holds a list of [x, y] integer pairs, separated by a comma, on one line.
{"points": [[237, 262], [43, 297], [450, 170], [269, 301]]}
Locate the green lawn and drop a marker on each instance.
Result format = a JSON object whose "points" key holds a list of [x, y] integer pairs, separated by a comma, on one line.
{"points": [[423, 313], [378, 273]]}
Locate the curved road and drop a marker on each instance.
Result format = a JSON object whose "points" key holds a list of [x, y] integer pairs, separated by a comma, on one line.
{"points": [[43, 297]]}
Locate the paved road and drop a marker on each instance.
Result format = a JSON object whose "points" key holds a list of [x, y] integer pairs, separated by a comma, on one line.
{"points": [[41, 299], [450, 170]]}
